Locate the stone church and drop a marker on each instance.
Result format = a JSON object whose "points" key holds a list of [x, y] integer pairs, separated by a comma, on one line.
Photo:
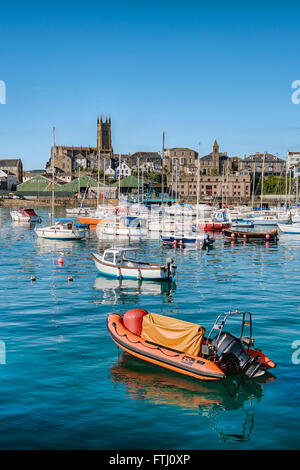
{"points": [[68, 158]]}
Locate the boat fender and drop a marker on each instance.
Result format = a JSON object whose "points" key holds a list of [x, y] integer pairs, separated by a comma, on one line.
{"points": [[133, 320]]}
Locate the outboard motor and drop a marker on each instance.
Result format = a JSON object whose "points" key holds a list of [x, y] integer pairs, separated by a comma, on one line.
{"points": [[234, 357]]}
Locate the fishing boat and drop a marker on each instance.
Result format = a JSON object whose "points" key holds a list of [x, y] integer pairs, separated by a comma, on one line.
{"points": [[250, 236], [216, 223], [183, 240], [290, 228], [183, 347], [242, 223], [121, 263], [25, 215]]}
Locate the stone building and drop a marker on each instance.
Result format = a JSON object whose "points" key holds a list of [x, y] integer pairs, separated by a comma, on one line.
{"points": [[69, 158], [217, 163], [150, 161], [213, 187], [13, 166], [180, 159], [263, 162]]}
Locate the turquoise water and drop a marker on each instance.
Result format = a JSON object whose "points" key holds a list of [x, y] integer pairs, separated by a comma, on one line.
{"points": [[64, 386]]}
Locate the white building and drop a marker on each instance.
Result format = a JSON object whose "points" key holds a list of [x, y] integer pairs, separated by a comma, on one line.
{"points": [[292, 160], [125, 170]]}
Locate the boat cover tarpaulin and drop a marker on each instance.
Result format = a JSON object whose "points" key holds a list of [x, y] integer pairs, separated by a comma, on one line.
{"points": [[29, 212], [173, 333]]}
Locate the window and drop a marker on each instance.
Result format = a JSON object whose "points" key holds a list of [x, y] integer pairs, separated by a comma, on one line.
{"points": [[109, 257]]}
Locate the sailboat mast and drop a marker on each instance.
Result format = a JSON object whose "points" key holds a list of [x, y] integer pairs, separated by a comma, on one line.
{"points": [[253, 184], [198, 184], [119, 177], [262, 182], [98, 179], [138, 168], [53, 170], [162, 167]]}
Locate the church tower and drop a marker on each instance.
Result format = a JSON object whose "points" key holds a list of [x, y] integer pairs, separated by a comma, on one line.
{"points": [[104, 146], [216, 156]]}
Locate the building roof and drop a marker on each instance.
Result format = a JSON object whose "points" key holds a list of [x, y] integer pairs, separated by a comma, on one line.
{"points": [[128, 182], [9, 161], [38, 183], [181, 148], [85, 181]]}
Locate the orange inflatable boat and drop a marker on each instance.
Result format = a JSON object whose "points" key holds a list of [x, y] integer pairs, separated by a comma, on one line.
{"points": [[182, 346]]}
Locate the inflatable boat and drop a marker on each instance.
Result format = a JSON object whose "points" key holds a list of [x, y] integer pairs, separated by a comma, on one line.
{"points": [[183, 347]]}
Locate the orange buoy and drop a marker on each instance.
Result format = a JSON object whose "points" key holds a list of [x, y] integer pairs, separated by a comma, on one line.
{"points": [[232, 235], [267, 236], [60, 261]]}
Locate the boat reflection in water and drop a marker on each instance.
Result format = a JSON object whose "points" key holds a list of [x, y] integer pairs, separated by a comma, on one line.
{"points": [[46, 245], [115, 290], [218, 401]]}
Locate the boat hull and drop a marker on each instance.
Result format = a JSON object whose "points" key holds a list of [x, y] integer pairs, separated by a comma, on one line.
{"points": [[153, 272], [167, 358], [172, 240], [61, 234], [290, 228], [239, 235]]}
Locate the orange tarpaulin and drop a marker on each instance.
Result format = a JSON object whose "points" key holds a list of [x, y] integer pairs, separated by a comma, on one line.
{"points": [[173, 333]]}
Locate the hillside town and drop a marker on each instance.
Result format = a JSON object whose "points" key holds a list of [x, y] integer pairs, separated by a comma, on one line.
{"points": [[177, 172]]}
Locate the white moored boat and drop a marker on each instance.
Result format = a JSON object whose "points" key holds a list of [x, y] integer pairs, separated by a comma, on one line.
{"points": [[62, 231], [25, 215], [121, 263], [123, 227]]}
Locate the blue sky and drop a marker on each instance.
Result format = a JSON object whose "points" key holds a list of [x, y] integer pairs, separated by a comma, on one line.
{"points": [[195, 70]]}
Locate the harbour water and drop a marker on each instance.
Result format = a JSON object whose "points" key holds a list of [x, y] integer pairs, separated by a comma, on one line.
{"points": [[64, 385]]}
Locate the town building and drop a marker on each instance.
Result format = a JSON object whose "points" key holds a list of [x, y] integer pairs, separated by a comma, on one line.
{"points": [[212, 186], [123, 169], [263, 162], [150, 161], [8, 180], [292, 160], [69, 158], [216, 162], [180, 159], [14, 166]]}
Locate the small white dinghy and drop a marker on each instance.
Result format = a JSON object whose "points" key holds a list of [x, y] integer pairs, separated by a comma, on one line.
{"points": [[25, 215], [121, 263], [62, 231]]}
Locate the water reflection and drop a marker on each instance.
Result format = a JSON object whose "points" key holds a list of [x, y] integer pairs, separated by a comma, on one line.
{"points": [[125, 290], [45, 245], [216, 401]]}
